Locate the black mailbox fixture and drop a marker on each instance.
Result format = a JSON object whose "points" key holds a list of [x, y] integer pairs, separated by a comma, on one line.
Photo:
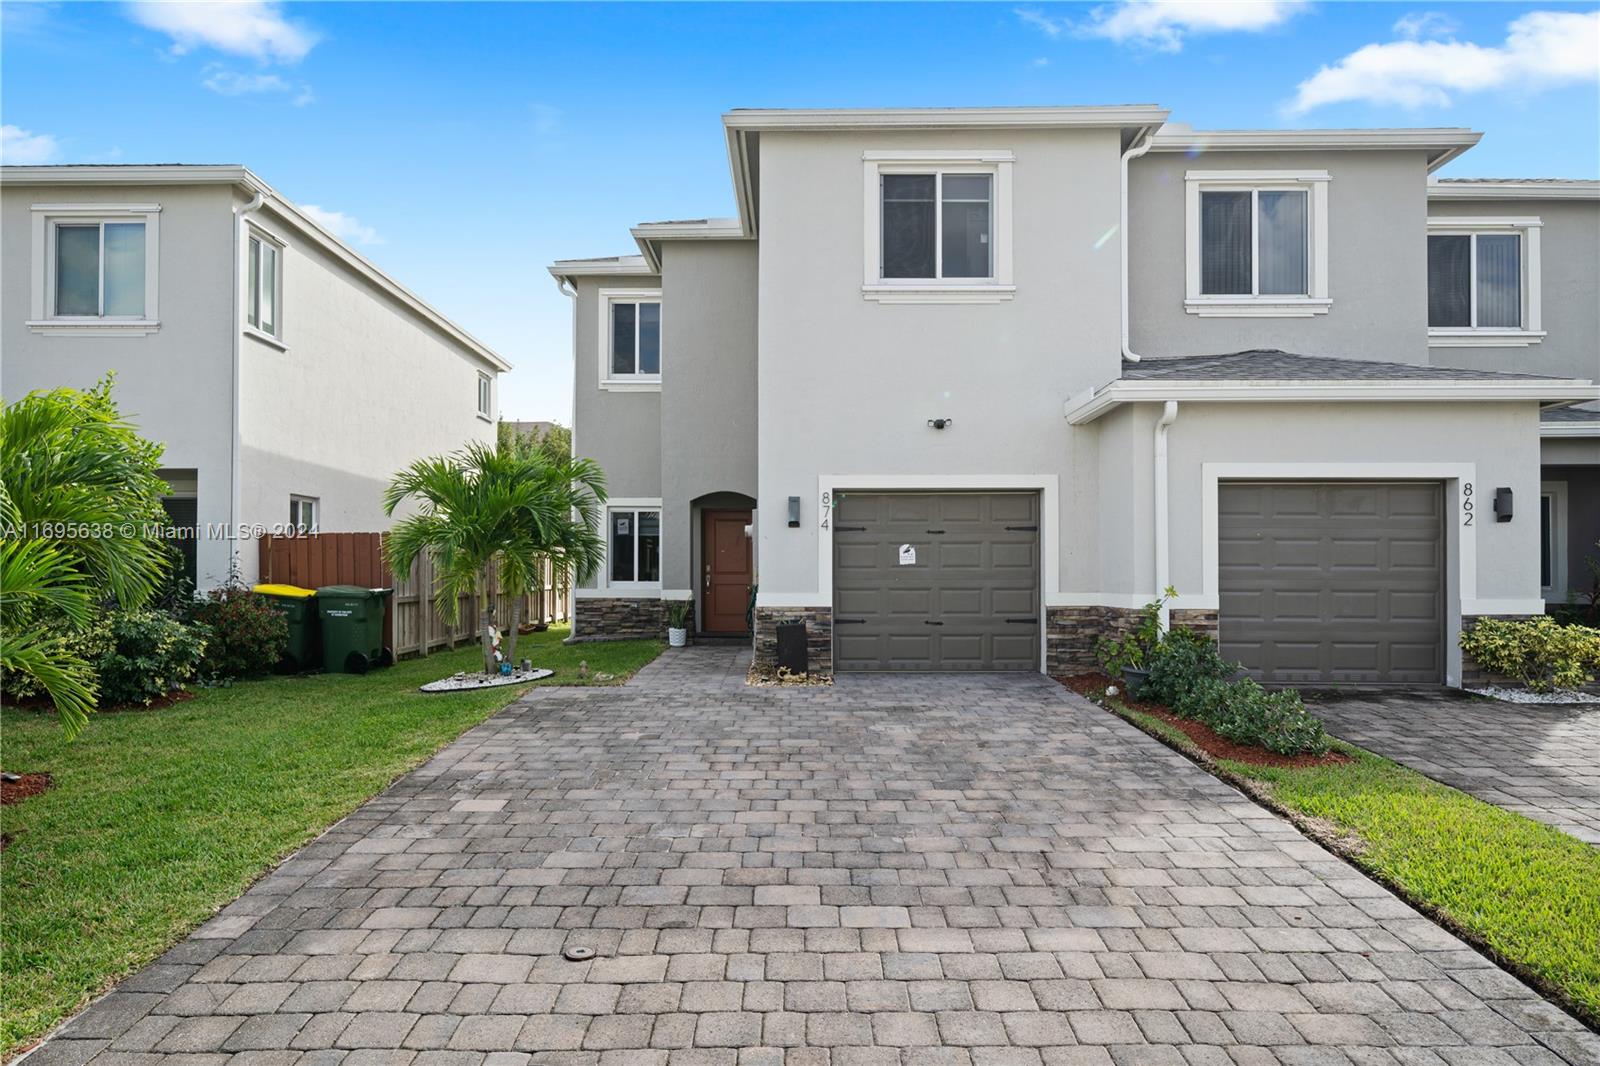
{"points": [[794, 512], [792, 654], [1502, 504]]}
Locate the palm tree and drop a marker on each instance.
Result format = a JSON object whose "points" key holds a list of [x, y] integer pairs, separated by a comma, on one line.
{"points": [[479, 508], [80, 506]]}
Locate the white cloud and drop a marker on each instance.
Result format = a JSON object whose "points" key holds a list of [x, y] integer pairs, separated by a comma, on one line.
{"points": [[219, 79], [1421, 24], [1165, 24], [1542, 49], [345, 227], [253, 28], [23, 147]]}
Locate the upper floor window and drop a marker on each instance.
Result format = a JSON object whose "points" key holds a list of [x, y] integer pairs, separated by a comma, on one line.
{"points": [[485, 395], [1257, 243], [303, 513], [94, 268], [938, 226], [630, 331], [1483, 281], [264, 285], [634, 546]]}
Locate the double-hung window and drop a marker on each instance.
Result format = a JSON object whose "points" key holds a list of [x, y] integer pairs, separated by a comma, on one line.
{"points": [[938, 227], [1483, 282], [633, 546], [264, 285], [630, 331], [94, 268], [1257, 243]]}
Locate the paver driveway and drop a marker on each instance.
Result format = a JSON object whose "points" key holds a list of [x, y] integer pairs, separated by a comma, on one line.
{"points": [[980, 870], [1540, 761]]}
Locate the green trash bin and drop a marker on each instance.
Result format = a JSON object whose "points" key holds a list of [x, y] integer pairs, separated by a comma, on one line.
{"points": [[299, 608], [352, 628]]}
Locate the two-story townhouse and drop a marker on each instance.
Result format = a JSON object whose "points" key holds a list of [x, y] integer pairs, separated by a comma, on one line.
{"points": [[287, 376], [983, 381]]}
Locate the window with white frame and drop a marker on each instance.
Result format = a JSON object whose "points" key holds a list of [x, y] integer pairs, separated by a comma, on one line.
{"points": [[303, 513], [1553, 540], [485, 395], [937, 226], [633, 545], [1257, 243], [630, 332], [1483, 281], [264, 285], [95, 267]]}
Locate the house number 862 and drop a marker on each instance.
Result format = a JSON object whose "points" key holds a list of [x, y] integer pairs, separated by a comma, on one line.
{"points": [[1466, 503]]}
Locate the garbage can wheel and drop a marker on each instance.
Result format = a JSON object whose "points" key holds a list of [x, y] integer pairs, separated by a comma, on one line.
{"points": [[386, 658], [356, 663]]}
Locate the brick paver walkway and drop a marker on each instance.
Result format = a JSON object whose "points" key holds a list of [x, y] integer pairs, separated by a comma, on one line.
{"points": [[977, 871], [1540, 761]]}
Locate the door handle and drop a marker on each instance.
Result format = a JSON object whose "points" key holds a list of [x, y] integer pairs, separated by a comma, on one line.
{"points": [[708, 577]]}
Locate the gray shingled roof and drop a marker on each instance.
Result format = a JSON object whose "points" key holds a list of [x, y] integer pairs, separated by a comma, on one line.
{"points": [[1569, 414], [1515, 181], [1269, 364]]}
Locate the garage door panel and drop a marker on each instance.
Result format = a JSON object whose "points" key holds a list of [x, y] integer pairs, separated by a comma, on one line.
{"points": [[1332, 581], [971, 573]]}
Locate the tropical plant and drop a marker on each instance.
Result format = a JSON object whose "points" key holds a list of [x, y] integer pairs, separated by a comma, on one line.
{"points": [[678, 613], [151, 655], [245, 634], [80, 514], [1132, 649], [1539, 652], [480, 508]]}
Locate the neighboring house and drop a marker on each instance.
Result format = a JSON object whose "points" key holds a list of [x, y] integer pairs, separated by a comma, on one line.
{"points": [[981, 382], [287, 377]]}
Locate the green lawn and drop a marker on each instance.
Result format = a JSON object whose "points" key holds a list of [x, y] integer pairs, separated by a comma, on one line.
{"points": [[157, 818], [1527, 892]]}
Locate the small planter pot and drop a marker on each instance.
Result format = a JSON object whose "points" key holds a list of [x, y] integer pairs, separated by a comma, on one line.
{"points": [[1134, 680], [677, 638]]}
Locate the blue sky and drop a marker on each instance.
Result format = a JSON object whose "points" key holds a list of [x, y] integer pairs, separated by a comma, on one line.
{"points": [[463, 147]]}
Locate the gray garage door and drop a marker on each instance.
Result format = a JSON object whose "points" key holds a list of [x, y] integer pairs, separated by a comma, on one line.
{"points": [[1332, 582], [936, 581]]}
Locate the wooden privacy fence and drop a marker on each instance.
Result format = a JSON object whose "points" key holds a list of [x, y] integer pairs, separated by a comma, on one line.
{"points": [[411, 625]]}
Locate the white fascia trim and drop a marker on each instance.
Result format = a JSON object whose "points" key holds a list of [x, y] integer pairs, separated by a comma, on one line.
{"points": [[154, 174], [1461, 541], [1087, 407], [632, 265], [1569, 429], [1442, 144], [633, 382], [1445, 189], [649, 235], [936, 118]]}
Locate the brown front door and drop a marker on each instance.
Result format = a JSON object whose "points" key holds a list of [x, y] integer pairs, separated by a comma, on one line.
{"points": [[725, 571]]}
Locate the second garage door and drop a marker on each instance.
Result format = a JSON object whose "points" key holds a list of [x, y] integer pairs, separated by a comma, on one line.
{"points": [[936, 581], [1332, 582]]}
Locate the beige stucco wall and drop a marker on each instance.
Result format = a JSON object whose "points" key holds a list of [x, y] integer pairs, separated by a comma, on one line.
{"points": [[847, 385], [175, 384]]}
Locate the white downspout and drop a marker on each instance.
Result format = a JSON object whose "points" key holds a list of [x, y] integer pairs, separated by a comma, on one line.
{"points": [[236, 325], [1169, 415], [1140, 146], [570, 291]]}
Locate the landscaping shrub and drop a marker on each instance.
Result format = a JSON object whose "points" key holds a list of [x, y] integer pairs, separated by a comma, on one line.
{"points": [[246, 634], [1131, 651], [152, 654], [1539, 652], [1277, 721], [1182, 659], [63, 641]]}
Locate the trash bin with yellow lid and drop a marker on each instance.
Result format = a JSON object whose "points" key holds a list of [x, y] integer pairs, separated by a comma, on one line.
{"points": [[298, 607]]}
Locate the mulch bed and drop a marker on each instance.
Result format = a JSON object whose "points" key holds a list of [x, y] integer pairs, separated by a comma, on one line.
{"points": [[40, 704], [26, 785], [1093, 686]]}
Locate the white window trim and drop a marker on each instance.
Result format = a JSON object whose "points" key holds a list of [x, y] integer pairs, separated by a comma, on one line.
{"points": [[276, 340], [42, 319], [628, 382], [999, 287], [1312, 182], [1532, 283], [316, 511], [631, 503], [1556, 591], [485, 396]]}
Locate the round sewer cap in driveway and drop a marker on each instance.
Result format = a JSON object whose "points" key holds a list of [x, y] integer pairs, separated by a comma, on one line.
{"points": [[578, 954]]}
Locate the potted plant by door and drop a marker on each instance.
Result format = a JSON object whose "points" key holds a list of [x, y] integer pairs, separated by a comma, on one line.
{"points": [[1129, 656], [677, 623]]}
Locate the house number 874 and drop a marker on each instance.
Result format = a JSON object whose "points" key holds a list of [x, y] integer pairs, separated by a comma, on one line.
{"points": [[1466, 503]]}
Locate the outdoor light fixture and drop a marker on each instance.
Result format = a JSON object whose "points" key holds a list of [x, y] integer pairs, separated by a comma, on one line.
{"points": [[1502, 504], [794, 512]]}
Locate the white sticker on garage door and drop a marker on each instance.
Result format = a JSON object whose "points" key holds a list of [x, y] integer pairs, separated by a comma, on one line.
{"points": [[908, 555]]}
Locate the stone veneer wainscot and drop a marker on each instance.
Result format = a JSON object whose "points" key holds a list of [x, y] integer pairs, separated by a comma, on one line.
{"points": [[618, 618]]}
